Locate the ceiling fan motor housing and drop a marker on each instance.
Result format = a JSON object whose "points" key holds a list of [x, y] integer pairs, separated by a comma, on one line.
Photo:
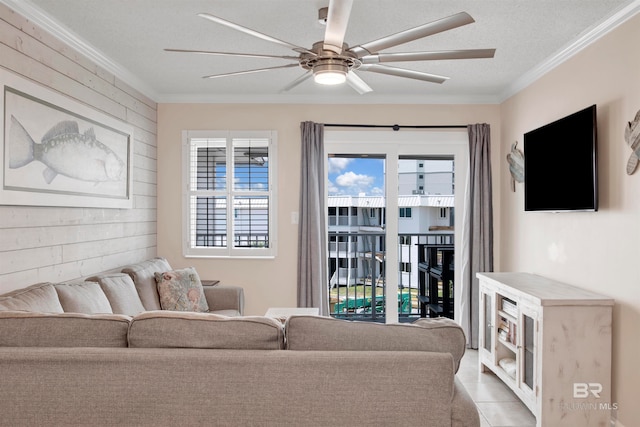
{"points": [[327, 60]]}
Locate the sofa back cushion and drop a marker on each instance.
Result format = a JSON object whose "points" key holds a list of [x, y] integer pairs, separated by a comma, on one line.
{"points": [[121, 293], [84, 297], [325, 333], [178, 329], [22, 329], [41, 298], [143, 275]]}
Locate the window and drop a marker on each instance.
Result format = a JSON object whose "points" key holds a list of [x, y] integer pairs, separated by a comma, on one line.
{"points": [[405, 267], [229, 203], [347, 262], [405, 212]]}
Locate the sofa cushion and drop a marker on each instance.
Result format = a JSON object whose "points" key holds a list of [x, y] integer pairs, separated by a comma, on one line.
{"points": [[41, 298], [172, 329], [121, 293], [22, 329], [143, 275], [84, 297], [325, 333], [181, 290]]}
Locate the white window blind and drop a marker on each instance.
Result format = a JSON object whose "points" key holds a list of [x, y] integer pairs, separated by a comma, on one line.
{"points": [[229, 193]]}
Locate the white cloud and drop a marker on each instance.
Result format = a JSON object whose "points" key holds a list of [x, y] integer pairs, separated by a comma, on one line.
{"points": [[332, 189], [338, 164], [351, 179]]}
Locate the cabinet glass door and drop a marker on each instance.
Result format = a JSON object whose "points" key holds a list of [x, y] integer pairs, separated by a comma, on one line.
{"points": [[488, 327], [528, 354], [487, 309]]}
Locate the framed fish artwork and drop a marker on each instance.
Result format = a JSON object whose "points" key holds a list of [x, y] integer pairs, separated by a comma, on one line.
{"points": [[59, 152]]}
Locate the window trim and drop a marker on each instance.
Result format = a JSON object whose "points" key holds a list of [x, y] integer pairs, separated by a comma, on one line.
{"points": [[229, 251]]}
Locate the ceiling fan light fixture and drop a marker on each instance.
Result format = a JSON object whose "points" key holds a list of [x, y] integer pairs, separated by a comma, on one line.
{"points": [[330, 74]]}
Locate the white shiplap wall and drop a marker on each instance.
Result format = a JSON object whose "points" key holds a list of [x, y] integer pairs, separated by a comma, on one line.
{"points": [[54, 244]]}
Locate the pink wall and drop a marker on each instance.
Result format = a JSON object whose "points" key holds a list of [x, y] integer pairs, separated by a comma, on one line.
{"points": [[271, 283], [599, 251]]}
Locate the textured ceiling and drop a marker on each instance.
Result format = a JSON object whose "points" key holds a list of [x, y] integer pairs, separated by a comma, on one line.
{"points": [[129, 36]]}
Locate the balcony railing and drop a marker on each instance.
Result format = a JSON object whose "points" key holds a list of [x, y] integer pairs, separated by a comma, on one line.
{"points": [[240, 240], [357, 274]]}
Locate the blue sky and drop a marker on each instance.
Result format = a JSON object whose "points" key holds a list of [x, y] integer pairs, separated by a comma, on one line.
{"points": [[352, 176]]}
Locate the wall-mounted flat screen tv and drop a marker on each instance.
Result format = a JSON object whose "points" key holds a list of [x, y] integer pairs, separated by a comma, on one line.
{"points": [[560, 165]]}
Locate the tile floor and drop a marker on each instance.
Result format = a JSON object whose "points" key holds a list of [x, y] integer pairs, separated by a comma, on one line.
{"points": [[497, 404]]}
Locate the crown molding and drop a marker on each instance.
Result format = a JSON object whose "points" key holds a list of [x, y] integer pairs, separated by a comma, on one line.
{"points": [[41, 19], [327, 99], [588, 37]]}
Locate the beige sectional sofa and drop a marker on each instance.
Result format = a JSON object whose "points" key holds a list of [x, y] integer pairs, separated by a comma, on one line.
{"points": [[128, 290], [159, 367]]}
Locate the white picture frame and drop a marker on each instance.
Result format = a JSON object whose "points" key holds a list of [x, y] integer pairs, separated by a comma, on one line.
{"points": [[57, 151]]}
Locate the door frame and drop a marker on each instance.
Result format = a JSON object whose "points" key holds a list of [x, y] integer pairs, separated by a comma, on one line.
{"points": [[393, 144]]}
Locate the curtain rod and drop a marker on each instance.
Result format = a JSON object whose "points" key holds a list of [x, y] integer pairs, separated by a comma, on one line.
{"points": [[397, 127]]}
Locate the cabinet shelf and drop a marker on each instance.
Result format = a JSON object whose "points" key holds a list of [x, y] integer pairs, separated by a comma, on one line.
{"points": [[505, 377], [507, 316], [508, 345]]}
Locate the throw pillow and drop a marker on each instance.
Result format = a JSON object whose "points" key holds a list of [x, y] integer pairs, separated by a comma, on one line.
{"points": [[181, 290]]}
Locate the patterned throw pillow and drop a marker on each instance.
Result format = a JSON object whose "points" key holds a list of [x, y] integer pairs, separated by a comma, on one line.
{"points": [[181, 290]]}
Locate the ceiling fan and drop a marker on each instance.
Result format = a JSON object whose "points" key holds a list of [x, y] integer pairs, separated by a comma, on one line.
{"points": [[331, 61]]}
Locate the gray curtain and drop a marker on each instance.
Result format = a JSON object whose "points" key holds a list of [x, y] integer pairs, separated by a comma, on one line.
{"points": [[313, 290], [477, 238]]}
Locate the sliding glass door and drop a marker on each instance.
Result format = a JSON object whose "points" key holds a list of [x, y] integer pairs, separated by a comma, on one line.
{"points": [[387, 193]]}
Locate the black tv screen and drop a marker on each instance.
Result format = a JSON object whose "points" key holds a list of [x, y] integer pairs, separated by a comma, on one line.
{"points": [[560, 165]]}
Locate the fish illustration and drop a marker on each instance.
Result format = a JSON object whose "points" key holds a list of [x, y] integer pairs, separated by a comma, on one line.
{"points": [[516, 165], [65, 151], [632, 136]]}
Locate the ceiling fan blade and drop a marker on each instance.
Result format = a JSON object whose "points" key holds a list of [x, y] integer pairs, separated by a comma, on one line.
{"points": [[253, 33], [239, 73], [297, 81], [337, 21], [411, 34], [246, 55], [402, 72], [357, 83], [428, 56]]}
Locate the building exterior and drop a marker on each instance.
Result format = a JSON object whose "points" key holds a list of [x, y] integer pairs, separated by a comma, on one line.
{"points": [[356, 224]]}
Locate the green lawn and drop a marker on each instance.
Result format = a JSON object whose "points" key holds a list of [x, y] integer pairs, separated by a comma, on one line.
{"points": [[339, 294]]}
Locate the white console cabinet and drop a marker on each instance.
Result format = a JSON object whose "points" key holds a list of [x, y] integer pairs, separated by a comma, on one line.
{"points": [[551, 344]]}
